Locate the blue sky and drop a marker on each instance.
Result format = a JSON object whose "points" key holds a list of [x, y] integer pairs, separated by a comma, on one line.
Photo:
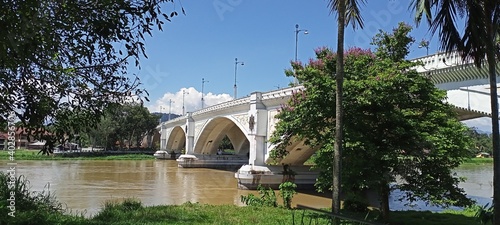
{"points": [[205, 42]]}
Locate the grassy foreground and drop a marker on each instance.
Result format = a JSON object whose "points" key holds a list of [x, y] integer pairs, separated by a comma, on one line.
{"points": [[23, 154], [131, 212]]}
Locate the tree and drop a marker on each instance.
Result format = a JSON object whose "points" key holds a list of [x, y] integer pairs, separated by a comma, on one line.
{"points": [[128, 123], [478, 41], [396, 124], [225, 143], [348, 12], [481, 142], [62, 57]]}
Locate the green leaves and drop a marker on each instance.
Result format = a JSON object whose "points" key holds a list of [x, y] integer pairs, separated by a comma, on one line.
{"points": [[396, 123], [59, 56]]}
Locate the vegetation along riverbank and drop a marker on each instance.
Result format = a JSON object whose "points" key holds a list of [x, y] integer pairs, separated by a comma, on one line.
{"points": [[24, 154], [43, 208]]}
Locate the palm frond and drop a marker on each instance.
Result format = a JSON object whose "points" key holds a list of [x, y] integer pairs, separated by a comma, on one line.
{"points": [[476, 15], [445, 22], [352, 12], [475, 35], [421, 7]]}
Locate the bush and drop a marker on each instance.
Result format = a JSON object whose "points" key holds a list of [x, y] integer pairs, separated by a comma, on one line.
{"points": [[30, 207], [484, 214], [287, 190], [267, 198], [355, 206]]}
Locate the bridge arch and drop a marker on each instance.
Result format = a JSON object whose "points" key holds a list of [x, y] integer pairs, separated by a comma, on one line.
{"points": [[214, 131], [176, 140]]}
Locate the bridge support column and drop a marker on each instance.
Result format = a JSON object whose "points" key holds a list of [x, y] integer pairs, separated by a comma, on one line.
{"points": [[257, 127], [163, 137], [189, 129]]}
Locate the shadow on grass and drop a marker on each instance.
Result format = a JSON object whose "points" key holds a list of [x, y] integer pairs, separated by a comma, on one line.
{"points": [[430, 218]]}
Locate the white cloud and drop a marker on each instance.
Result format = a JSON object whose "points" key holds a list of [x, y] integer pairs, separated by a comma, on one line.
{"points": [[192, 101]]}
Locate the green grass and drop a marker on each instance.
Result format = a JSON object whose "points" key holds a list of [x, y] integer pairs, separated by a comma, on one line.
{"points": [[478, 161], [465, 217], [23, 154], [131, 212]]}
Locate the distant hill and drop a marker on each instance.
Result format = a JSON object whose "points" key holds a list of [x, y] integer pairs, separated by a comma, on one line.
{"points": [[164, 116]]}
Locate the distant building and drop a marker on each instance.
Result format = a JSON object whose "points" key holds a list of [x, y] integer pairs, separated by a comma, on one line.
{"points": [[3, 141], [21, 140]]}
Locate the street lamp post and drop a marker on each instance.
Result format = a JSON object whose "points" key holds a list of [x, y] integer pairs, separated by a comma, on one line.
{"points": [[169, 108], [424, 44], [184, 92], [297, 31], [203, 81], [161, 115], [236, 62]]}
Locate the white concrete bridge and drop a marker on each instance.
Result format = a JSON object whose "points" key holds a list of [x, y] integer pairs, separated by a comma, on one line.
{"points": [[249, 122]]}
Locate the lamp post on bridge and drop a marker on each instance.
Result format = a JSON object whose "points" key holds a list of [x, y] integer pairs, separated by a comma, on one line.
{"points": [[203, 81], [170, 108], [184, 93], [161, 115], [424, 44], [297, 31], [236, 62]]}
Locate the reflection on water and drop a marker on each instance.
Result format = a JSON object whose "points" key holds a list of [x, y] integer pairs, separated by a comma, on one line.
{"points": [[478, 186], [86, 184]]}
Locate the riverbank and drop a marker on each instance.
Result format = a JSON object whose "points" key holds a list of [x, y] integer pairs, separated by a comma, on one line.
{"points": [[132, 212], [478, 161], [23, 154]]}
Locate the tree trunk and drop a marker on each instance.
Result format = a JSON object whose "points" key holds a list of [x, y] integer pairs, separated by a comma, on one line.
{"points": [[130, 139], [490, 57], [384, 201], [337, 152]]}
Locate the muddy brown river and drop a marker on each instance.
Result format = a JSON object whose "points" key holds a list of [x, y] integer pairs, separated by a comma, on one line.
{"points": [[85, 185]]}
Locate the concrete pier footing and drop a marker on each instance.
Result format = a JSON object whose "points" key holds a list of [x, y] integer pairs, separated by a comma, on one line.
{"points": [[250, 177]]}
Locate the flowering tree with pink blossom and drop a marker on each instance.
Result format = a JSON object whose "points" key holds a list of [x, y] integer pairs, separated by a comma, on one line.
{"points": [[396, 125]]}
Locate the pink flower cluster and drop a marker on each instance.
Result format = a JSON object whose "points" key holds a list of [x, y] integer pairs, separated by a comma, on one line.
{"points": [[356, 51], [316, 63], [297, 97], [285, 107]]}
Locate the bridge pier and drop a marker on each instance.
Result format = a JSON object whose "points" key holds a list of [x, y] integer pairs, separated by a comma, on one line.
{"points": [[190, 133], [258, 172], [257, 127], [250, 177]]}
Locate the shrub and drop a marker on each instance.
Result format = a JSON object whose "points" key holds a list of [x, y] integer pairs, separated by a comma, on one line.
{"points": [[267, 198], [287, 190], [30, 207], [484, 214]]}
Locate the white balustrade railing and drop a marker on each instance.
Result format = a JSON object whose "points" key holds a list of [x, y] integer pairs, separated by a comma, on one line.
{"points": [[280, 93], [440, 61], [275, 94]]}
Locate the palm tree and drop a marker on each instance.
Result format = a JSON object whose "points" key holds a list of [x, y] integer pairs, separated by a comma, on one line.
{"points": [[348, 12], [479, 42]]}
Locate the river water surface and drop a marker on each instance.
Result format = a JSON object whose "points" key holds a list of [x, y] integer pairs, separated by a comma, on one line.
{"points": [[84, 185]]}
